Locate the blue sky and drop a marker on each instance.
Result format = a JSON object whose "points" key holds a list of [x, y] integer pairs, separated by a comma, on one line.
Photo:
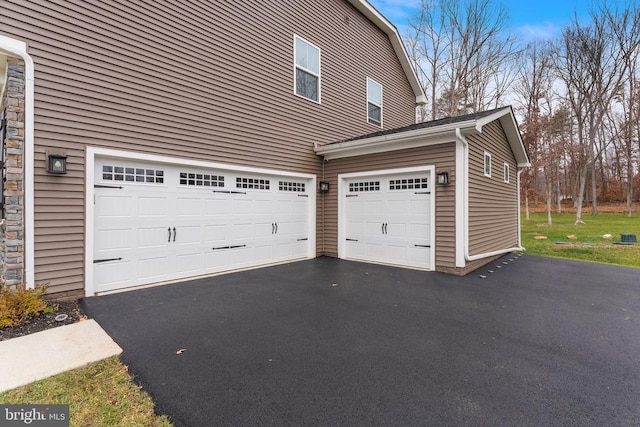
{"points": [[529, 19]]}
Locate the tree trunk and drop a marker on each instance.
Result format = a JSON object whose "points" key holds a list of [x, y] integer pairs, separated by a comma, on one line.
{"points": [[594, 190], [582, 186], [526, 203]]}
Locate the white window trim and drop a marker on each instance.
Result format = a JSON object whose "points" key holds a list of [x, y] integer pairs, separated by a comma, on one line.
{"points": [[295, 66], [487, 156], [369, 79], [505, 173]]}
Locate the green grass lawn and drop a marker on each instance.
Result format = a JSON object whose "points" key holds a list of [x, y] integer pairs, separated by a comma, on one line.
{"points": [[100, 394], [588, 244]]}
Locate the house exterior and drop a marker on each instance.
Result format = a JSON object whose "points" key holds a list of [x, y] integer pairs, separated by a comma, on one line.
{"points": [[149, 142]]}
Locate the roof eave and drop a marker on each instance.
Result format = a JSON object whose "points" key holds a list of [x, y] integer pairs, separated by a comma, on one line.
{"points": [[396, 42], [394, 141]]}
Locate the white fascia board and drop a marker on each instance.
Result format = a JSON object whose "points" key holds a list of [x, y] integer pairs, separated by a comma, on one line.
{"points": [[396, 42], [508, 122], [394, 141]]}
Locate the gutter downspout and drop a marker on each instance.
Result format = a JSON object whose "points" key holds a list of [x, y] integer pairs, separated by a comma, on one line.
{"points": [[465, 216], [19, 49]]}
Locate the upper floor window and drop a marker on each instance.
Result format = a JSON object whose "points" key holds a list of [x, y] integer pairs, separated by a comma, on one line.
{"points": [[374, 102], [487, 164], [307, 69], [506, 173]]}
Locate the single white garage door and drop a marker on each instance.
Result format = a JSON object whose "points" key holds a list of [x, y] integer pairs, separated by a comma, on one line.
{"points": [[387, 219], [156, 223]]}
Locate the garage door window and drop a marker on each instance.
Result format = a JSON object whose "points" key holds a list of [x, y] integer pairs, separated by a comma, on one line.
{"points": [[408, 183], [291, 186], [129, 174], [355, 187], [252, 183], [201, 179]]}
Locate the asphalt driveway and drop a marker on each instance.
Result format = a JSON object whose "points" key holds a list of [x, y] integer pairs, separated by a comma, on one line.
{"points": [[329, 342]]}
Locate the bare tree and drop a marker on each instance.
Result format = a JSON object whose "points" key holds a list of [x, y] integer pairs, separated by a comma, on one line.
{"points": [[626, 26], [533, 84], [590, 64], [461, 52]]}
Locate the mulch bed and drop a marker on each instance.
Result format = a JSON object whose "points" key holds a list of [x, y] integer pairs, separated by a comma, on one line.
{"points": [[46, 320]]}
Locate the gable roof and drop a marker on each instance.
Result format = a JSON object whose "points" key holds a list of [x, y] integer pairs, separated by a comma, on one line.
{"points": [[429, 133], [391, 31]]}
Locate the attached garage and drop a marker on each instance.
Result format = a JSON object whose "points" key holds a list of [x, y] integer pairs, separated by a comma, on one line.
{"points": [[154, 222], [387, 217], [389, 209]]}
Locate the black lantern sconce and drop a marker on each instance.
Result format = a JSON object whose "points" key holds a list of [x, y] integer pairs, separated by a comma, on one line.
{"points": [[324, 186], [57, 164], [442, 178]]}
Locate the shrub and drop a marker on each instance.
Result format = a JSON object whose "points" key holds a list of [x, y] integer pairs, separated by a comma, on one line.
{"points": [[17, 306]]}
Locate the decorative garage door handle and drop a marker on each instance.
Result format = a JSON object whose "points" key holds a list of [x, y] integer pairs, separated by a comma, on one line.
{"points": [[228, 247], [384, 227], [174, 234], [107, 186], [274, 228], [169, 235], [97, 261]]}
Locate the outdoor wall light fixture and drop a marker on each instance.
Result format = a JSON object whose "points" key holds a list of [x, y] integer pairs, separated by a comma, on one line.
{"points": [[57, 164], [324, 186], [442, 178]]}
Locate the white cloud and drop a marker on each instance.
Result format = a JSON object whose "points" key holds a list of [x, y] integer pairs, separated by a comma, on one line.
{"points": [[542, 31]]}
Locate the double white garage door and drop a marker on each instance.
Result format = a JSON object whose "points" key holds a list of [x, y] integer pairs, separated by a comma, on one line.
{"points": [[157, 223]]}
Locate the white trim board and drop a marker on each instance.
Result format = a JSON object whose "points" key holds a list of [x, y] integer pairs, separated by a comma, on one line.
{"points": [[90, 158]]}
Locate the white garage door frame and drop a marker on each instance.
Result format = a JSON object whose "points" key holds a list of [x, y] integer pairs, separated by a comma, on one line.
{"points": [[93, 152], [342, 214]]}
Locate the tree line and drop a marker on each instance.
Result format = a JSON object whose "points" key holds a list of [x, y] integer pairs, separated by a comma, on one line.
{"points": [[577, 96]]}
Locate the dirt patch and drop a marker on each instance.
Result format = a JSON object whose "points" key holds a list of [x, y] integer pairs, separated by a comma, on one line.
{"points": [[46, 320]]}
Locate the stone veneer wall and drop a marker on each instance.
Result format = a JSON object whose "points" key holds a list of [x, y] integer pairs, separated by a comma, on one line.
{"points": [[12, 226]]}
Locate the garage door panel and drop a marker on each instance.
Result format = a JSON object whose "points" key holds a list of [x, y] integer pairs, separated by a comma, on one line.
{"points": [[189, 206], [243, 207], [115, 206], [187, 234], [419, 231], [218, 225], [157, 206], [217, 233], [396, 207], [152, 237], [152, 268], [115, 239], [217, 206], [113, 274], [189, 264], [242, 231]]}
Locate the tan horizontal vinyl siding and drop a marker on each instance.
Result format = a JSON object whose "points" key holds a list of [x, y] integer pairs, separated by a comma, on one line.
{"points": [[187, 79], [441, 156], [493, 210]]}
